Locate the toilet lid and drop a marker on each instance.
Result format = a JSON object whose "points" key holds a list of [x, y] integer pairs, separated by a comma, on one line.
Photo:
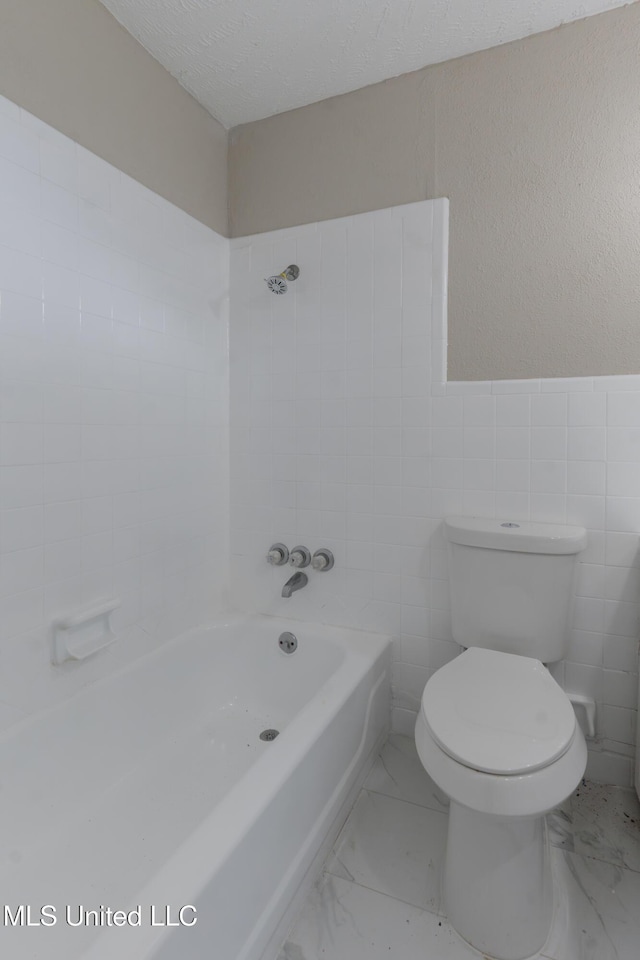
{"points": [[498, 713]]}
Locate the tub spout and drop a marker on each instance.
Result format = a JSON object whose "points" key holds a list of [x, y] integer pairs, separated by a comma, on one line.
{"points": [[296, 582]]}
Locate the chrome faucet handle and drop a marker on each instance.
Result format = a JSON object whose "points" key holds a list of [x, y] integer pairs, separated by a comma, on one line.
{"points": [[299, 557], [278, 555], [322, 560]]}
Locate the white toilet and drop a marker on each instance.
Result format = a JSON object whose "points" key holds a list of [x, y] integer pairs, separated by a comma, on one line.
{"points": [[497, 733]]}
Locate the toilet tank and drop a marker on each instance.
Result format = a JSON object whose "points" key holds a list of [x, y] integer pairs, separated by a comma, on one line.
{"points": [[512, 584]]}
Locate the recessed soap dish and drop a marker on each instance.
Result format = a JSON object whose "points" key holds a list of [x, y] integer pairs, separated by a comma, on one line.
{"points": [[84, 633]]}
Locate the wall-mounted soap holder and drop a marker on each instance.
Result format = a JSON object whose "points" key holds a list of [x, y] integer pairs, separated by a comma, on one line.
{"points": [[84, 633]]}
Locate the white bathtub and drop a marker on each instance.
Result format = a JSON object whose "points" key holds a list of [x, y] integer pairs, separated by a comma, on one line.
{"points": [[152, 788]]}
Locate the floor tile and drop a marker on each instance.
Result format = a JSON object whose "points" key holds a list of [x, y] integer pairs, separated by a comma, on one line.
{"points": [[560, 826], [398, 772], [344, 921], [598, 915], [386, 869], [606, 825], [393, 847]]}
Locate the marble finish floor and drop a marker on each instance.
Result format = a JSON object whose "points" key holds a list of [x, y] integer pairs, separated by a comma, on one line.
{"points": [[379, 895]]}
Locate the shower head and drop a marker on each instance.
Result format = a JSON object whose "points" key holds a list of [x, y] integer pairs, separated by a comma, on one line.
{"points": [[278, 283]]}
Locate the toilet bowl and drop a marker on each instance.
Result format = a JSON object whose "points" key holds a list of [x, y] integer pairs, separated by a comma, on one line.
{"points": [[499, 737], [497, 733]]}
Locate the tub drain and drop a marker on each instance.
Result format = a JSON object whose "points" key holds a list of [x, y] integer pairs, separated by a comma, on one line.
{"points": [[269, 734]]}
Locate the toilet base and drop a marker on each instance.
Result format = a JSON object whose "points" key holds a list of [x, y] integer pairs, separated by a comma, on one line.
{"points": [[497, 885]]}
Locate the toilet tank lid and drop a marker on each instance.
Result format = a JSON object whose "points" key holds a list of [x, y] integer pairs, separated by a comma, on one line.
{"points": [[519, 536]]}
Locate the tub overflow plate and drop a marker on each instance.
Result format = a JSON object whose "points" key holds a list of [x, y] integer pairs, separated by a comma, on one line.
{"points": [[288, 642]]}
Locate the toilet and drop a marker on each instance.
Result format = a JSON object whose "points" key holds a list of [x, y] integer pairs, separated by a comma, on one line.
{"points": [[496, 732]]}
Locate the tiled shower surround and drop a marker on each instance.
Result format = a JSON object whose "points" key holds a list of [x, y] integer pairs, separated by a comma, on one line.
{"points": [[345, 435], [114, 416], [113, 410]]}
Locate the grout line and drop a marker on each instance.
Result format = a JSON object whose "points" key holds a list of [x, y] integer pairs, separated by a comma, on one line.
{"points": [[413, 803], [379, 893]]}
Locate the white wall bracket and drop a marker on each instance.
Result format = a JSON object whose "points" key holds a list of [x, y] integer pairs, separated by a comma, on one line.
{"points": [[585, 708], [84, 633]]}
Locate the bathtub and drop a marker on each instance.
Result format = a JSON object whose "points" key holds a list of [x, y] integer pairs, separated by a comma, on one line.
{"points": [[151, 793]]}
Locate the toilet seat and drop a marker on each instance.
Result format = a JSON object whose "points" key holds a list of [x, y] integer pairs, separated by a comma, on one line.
{"points": [[498, 713]]}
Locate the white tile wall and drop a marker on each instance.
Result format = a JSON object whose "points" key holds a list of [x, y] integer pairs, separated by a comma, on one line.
{"points": [[114, 421], [345, 433], [113, 409]]}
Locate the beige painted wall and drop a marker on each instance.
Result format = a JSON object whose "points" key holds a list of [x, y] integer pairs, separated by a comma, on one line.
{"points": [[71, 64], [537, 145]]}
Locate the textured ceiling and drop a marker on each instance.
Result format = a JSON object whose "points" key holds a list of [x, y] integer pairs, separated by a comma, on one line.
{"points": [[248, 59]]}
